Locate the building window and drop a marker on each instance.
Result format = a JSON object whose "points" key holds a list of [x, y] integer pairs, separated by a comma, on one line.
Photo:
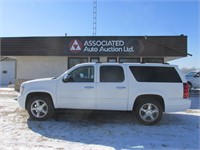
{"points": [[131, 60], [74, 61], [4, 72], [94, 59], [153, 60], [112, 59]]}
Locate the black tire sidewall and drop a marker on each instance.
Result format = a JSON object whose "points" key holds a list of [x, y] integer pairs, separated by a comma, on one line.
{"points": [[154, 102], [47, 100]]}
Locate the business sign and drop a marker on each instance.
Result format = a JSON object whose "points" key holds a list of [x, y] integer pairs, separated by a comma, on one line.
{"points": [[101, 46], [75, 46]]}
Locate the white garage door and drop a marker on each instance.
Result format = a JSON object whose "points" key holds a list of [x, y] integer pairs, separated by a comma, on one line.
{"points": [[7, 72]]}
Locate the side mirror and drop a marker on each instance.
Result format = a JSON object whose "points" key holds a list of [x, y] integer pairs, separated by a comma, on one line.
{"points": [[66, 78]]}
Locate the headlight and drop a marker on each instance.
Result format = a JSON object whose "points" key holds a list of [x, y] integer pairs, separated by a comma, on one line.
{"points": [[21, 89]]}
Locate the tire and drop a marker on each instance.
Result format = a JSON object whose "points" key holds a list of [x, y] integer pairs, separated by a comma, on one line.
{"points": [[40, 108], [149, 111]]}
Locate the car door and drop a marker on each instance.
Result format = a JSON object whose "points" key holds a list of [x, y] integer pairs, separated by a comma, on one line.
{"points": [[77, 89], [112, 88]]}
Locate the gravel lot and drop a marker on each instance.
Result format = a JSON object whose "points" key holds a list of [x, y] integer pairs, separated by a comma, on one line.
{"points": [[96, 130]]}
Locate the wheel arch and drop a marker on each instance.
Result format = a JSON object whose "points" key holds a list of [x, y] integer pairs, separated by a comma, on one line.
{"points": [[190, 85], [157, 98], [32, 94], [189, 82]]}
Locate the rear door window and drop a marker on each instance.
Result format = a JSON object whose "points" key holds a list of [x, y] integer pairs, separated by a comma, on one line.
{"points": [[111, 74], [155, 74]]}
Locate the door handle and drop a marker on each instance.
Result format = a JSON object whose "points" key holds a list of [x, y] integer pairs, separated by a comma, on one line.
{"points": [[120, 87], [88, 87]]}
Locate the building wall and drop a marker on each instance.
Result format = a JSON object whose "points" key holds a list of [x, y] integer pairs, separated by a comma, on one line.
{"points": [[32, 67]]}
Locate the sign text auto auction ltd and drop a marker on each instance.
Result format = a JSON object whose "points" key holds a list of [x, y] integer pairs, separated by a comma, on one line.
{"points": [[95, 46]]}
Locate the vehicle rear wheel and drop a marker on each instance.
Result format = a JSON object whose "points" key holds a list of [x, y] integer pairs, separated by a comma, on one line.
{"points": [[40, 108], [149, 112]]}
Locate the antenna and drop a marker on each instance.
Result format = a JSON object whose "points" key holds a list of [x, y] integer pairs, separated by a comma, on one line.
{"points": [[94, 17]]}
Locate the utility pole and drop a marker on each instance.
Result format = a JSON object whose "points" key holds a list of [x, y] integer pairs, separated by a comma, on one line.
{"points": [[94, 17]]}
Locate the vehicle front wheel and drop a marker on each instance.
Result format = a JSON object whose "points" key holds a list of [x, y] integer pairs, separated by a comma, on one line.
{"points": [[149, 112], [40, 108]]}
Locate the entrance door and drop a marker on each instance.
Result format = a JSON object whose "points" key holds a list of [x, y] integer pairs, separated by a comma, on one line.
{"points": [[7, 72], [77, 89], [112, 89]]}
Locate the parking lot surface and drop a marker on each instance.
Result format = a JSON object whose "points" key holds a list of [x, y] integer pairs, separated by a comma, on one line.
{"points": [[96, 130]]}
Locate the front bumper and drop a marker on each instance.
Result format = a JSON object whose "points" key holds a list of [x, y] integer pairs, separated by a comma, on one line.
{"points": [[21, 100]]}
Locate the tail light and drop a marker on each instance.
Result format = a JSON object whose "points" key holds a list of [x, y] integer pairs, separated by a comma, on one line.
{"points": [[185, 90]]}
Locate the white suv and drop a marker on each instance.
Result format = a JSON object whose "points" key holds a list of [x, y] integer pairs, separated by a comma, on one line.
{"points": [[148, 90]]}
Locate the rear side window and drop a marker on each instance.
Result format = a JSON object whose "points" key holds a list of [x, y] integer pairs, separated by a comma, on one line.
{"points": [[111, 74], [155, 74]]}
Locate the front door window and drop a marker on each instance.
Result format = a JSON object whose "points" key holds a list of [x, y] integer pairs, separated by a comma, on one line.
{"points": [[82, 74]]}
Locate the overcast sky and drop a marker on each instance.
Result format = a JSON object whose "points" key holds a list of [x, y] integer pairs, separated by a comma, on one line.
{"points": [[19, 18]]}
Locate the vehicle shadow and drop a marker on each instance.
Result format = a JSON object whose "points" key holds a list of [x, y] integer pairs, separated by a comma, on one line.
{"points": [[120, 130]]}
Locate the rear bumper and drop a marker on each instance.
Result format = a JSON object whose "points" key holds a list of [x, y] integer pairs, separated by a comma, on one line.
{"points": [[177, 105]]}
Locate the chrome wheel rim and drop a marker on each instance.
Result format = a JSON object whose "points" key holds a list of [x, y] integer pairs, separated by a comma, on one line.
{"points": [[149, 112], [39, 108]]}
